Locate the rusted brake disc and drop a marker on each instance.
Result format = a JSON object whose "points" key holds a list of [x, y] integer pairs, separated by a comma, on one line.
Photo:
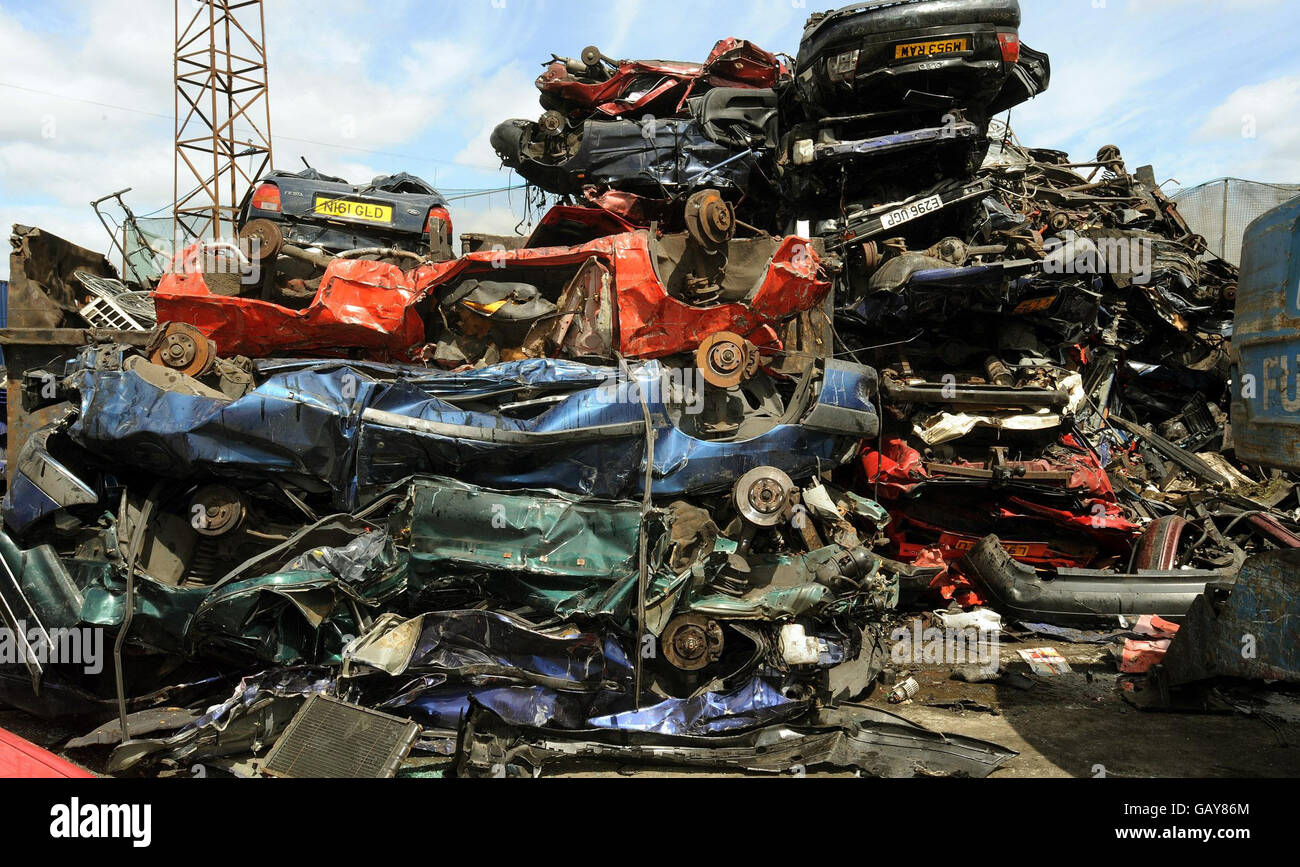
{"points": [[710, 221], [183, 348], [692, 642], [261, 240], [726, 360], [553, 123], [763, 496]]}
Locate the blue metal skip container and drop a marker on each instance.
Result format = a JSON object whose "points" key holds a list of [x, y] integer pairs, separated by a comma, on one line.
{"points": [[1266, 342]]}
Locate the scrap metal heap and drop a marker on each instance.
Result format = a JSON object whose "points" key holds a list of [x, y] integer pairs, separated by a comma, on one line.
{"points": [[652, 485]]}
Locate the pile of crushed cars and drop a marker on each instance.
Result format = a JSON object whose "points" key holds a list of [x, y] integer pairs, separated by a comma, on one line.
{"points": [[651, 486]]}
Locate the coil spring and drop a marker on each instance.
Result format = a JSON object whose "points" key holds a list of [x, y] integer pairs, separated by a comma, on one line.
{"points": [[205, 562]]}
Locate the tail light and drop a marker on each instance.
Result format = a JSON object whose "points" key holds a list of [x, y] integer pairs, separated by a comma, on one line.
{"points": [[267, 198], [843, 67], [438, 215], [1010, 43]]}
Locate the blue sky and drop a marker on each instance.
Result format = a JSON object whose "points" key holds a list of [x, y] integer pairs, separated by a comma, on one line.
{"points": [[1199, 88]]}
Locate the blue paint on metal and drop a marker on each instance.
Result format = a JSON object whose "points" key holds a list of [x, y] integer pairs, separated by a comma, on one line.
{"points": [[756, 703], [1266, 380], [1252, 635], [25, 503], [357, 434]]}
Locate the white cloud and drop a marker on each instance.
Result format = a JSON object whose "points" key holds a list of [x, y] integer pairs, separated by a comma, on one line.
{"points": [[1256, 126], [499, 218], [624, 14], [58, 153], [509, 93], [1268, 108]]}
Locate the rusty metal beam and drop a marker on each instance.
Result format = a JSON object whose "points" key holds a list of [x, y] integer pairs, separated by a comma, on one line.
{"points": [[221, 79]]}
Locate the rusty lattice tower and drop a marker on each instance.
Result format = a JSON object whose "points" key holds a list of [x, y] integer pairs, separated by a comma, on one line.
{"points": [[223, 112]]}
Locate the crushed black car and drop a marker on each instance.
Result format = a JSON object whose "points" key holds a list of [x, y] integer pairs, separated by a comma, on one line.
{"points": [[889, 94], [311, 211], [918, 56]]}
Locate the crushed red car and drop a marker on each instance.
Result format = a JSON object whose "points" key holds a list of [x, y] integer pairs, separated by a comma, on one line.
{"points": [[1059, 511], [362, 308], [631, 294], [597, 85], [22, 760]]}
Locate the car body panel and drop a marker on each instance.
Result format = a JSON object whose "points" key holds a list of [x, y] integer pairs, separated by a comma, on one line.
{"points": [[41, 485], [1266, 341], [673, 155], [1072, 520], [23, 760], [362, 307]]}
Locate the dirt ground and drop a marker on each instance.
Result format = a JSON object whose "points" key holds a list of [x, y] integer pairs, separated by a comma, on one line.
{"points": [[1074, 725]]}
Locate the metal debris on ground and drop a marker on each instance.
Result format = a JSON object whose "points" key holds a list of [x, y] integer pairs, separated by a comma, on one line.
{"points": [[1045, 662]]}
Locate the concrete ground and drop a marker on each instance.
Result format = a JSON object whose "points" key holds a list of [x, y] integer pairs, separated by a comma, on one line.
{"points": [[1074, 725], [1078, 725]]}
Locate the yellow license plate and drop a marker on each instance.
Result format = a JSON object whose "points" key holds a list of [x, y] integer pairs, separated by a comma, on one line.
{"points": [[342, 209], [926, 49]]}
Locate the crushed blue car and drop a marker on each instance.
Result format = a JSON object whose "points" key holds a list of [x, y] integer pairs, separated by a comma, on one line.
{"points": [[354, 430]]}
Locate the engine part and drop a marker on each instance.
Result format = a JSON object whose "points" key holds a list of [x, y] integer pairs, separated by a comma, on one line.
{"points": [[853, 566], [798, 647], [330, 739], [217, 511], [905, 691], [999, 374], [988, 396]]}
